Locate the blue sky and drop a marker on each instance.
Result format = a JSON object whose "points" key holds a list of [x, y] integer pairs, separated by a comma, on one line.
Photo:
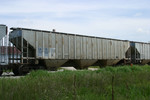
{"points": [[120, 19]]}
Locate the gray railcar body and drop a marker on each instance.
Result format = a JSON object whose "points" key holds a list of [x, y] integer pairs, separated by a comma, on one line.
{"points": [[57, 49]]}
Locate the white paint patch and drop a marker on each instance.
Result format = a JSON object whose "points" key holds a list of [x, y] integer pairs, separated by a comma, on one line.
{"points": [[68, 68], [9, 75]]}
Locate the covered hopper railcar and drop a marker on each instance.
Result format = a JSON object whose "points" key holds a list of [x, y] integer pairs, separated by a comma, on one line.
{"points": [[55, 49], [140, 52]]}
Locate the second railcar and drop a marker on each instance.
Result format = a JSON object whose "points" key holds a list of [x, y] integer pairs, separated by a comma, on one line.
{"points": [[140, 52]]}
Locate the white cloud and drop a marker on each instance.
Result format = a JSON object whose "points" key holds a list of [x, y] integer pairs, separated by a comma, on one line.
{"points": [[140, 30], [39, 6], [138, 14], [30, 6], [143, 31]]}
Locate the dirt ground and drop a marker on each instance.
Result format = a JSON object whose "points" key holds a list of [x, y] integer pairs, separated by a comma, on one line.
{"points": [[11, 74]]}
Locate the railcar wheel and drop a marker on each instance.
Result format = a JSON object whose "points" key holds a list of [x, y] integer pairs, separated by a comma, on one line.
{"points": [[16, 71], [23, 70], [1, 71], [20, 70]]}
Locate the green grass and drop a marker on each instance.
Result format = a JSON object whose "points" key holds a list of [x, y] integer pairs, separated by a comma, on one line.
{"points": [[130, 83]]}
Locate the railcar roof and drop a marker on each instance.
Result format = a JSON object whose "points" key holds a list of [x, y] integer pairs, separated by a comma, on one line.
{"points": [[2, 25], [18, 28], [140, 42]]}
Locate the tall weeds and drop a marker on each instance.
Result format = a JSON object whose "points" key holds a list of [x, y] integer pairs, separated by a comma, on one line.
{"points": [[129, 83]]}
